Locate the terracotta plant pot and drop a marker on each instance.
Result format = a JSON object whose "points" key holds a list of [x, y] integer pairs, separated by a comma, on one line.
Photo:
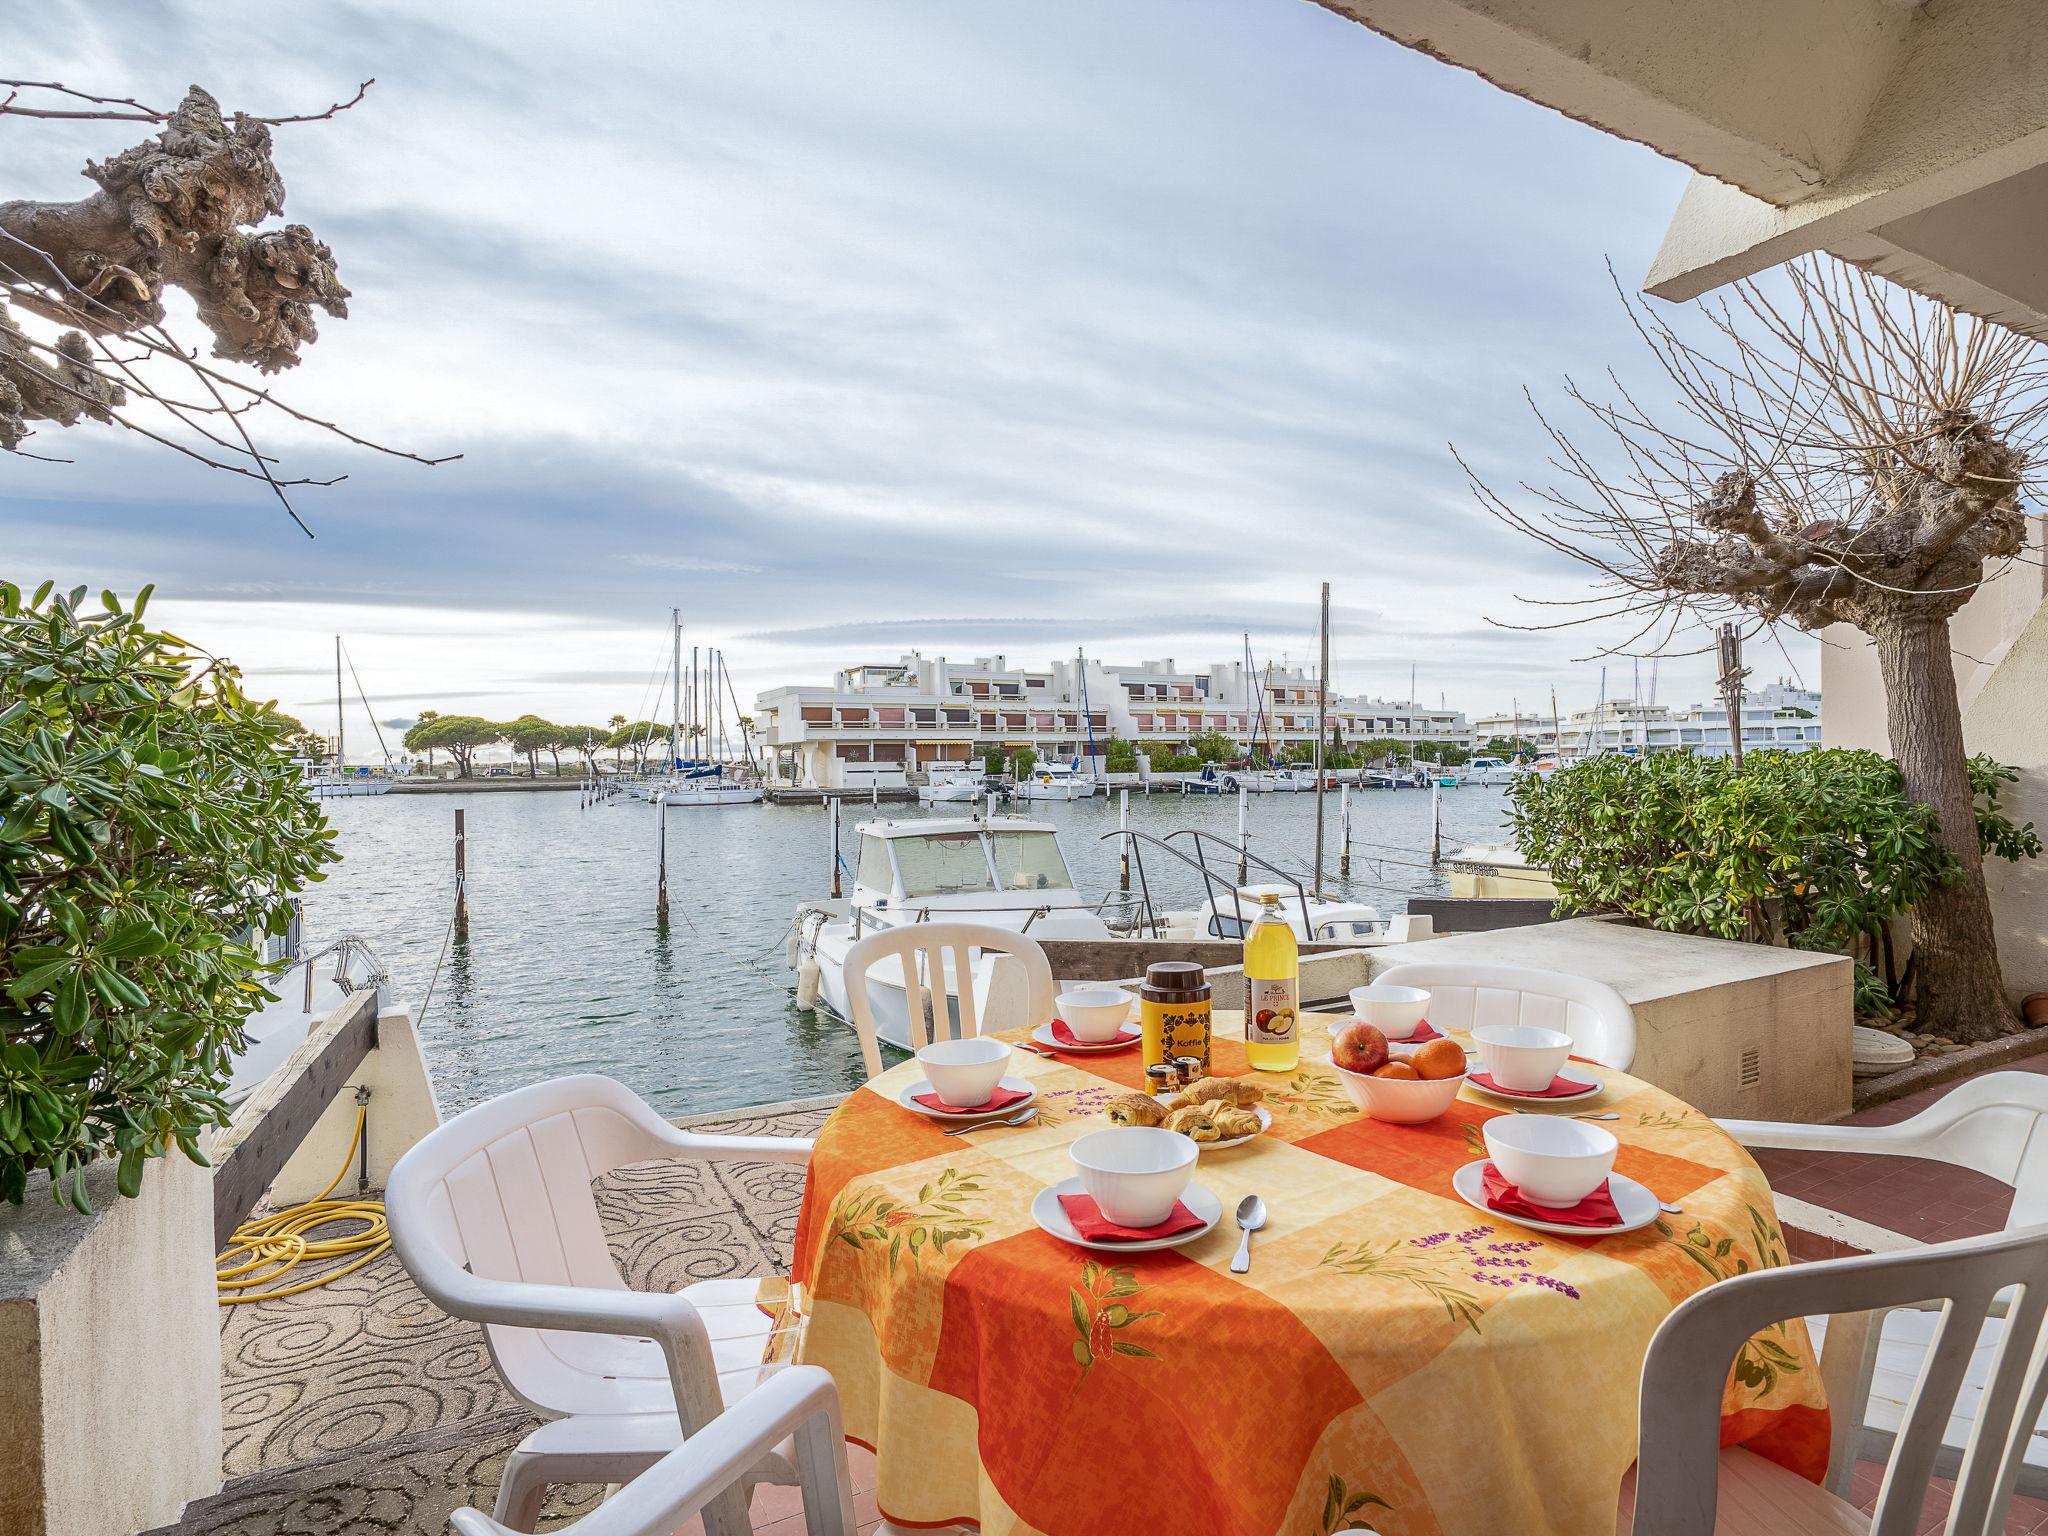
{"points": [[2034, 1009]]}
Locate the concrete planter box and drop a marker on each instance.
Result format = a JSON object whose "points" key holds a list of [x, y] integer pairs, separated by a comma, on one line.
{"points": [[1737, 1030], [109, 1355]]}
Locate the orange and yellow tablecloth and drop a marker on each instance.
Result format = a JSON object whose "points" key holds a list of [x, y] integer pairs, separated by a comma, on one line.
{"points": [[1395, 1360]]}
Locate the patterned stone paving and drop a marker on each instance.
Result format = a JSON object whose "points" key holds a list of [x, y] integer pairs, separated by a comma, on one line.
{"points": [[360, 1408]]}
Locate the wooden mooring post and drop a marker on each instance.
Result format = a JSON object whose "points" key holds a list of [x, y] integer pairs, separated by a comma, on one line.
{"points": [[1123, 856], [834, 802], [1244, 799], [1344, 832], [661, 843], [461, 880]]}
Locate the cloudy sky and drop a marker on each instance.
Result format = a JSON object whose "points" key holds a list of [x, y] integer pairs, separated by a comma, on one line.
{"points": [[1020, 326]]}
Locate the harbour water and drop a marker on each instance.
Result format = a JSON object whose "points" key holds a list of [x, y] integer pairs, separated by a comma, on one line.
{"points": [[565, 969]]}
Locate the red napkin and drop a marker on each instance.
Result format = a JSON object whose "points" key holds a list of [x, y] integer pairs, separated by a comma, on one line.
{"points": [[1560, 1087], [1002, 1098], [1124, 1036], [1089, 1221], [1596, 1210], [1424, 1033]]}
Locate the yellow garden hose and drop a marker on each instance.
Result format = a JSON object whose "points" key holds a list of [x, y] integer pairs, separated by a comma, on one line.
{"points": [[280, 1240]]}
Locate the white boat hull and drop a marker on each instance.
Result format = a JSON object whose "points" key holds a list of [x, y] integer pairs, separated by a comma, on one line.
{"points": [[722, 794], [1036, 789], [947, 794]]}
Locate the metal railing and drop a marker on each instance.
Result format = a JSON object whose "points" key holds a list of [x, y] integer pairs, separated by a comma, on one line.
{"points": [[1111, 901]]}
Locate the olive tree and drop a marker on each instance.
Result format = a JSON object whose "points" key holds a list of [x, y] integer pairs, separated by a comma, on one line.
{"points": [[153, 828], [1853, 454]]}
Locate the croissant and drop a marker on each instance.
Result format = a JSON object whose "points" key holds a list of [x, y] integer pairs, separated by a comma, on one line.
{"points": [[1193, 1123], [1135, 1109], [1223, 1090], [1232, 1121]]}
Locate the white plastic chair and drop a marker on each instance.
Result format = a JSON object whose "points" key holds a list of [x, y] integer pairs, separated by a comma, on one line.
{"points": [[935, 963], [1685, 1485], [1598, 1018], [799, 1402], [1993, 1124], [494, 1218]]}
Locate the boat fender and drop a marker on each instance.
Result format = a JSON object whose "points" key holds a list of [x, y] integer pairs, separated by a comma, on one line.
{"points": [[807, 984]]}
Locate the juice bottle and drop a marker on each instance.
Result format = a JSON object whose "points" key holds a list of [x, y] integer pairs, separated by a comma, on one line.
{"points": [[1173, 1012], [1272, 991]]}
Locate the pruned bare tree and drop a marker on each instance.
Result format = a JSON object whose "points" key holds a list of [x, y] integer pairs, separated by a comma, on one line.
{"points": [[1849, 454], [178, 210]]}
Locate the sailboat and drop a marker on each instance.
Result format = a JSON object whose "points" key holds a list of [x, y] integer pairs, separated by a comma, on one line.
{"points": [[335, 782], [700, 781]]}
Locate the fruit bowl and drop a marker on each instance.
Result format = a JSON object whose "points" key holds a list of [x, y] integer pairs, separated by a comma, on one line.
{"points": [[1398, 1100]]}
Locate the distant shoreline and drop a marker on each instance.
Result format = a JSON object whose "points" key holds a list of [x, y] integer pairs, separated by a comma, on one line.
{"points": [[497, 786]]}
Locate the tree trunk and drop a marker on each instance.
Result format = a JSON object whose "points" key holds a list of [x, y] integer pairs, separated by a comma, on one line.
{"points": [[1960, 993]]}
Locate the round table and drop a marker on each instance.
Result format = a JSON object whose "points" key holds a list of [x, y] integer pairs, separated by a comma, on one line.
{"points": [[1395, 1360]]}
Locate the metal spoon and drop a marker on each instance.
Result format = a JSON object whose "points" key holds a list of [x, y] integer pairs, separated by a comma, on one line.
{"points": [[1669, 1209], [1596, 1117], [1022, 1117], [1251, 1215]]}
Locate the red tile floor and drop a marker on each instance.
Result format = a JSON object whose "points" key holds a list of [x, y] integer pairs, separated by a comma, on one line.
{"points": [[1927, 1201], [1923, 1200]]}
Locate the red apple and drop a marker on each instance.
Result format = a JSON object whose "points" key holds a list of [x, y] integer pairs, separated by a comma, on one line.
{"points": [[1358, 1047]]}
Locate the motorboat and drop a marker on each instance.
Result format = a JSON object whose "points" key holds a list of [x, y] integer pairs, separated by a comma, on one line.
{"points": [[950, 783], [1265, 781], [1054, 781], [1207, 782], [1003, 871], [1230, 915], [1496, 869]]}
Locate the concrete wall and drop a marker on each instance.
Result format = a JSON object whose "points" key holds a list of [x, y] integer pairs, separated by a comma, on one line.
{"points": [[1733, 1029], [110, 1416], [2000, 645]]}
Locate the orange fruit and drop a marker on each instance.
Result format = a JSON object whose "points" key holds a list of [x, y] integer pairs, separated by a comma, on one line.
{"points": [[1399, 1070], [1440, 1059]]}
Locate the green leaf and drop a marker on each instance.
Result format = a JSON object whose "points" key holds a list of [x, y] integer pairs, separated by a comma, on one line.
{"points": [[128, 1177], [1078, 1306], [1123, 1347]]}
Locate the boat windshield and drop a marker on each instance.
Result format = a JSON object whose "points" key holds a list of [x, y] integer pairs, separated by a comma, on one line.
{"points": [[943, 864], [1030, 861]]}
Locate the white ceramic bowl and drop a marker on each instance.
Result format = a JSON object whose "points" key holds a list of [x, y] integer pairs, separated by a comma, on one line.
{"points": [[965, 1072], [1522, 1056], [1094, 1014], [1135, 1172], [1552, 1159], [1394, 1011], [1399, 1101]]}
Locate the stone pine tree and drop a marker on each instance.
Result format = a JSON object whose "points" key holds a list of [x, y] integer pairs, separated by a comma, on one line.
{"points": [[83, 322], [1835, 450]]}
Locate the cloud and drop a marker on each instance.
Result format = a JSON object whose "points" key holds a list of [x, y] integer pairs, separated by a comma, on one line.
{"points": [[1015, 327]]}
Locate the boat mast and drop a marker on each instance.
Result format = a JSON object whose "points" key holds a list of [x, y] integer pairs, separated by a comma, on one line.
{"points": [[675, 672], [1322, 731], [1087, 721], [340, 715]]}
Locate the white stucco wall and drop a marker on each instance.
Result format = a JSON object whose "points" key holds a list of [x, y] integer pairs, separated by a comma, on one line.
{"points": [[109, 1356], [2000, 644]]}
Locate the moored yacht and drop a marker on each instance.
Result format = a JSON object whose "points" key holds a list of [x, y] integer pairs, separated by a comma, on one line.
{"points": [[1054, 781], [951, 783], [1003, 871]]}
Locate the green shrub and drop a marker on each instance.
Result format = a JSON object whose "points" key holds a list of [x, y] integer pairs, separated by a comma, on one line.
{"points": [[150, 820], [1818, 850]]}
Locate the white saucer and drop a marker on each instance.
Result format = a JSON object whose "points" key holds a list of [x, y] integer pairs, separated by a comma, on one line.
{"points": [[1265, 1124], [1047, 1211], [1570, 1074], [921, 1086], [1636, 1205], [1043, 1035]]}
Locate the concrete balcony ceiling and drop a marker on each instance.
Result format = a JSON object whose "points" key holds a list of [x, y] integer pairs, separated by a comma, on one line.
{"points": [[1911, 139]]}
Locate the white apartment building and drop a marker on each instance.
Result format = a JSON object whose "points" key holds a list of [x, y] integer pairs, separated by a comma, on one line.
{"points": [[882, 722], [1780, 716]]}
